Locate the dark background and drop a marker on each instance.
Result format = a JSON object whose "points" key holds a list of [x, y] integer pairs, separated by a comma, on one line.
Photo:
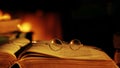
{"points": [[94, 22]]}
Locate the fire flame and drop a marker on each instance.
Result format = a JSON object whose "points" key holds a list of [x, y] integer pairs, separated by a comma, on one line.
{"points": [[5, 16], [25, 27], [45, 26]]}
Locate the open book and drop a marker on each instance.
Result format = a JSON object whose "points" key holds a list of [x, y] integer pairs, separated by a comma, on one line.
{"points": [[53, 54]]}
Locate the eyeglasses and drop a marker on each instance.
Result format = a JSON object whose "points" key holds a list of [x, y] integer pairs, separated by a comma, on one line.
{"points": [[57, 44]]}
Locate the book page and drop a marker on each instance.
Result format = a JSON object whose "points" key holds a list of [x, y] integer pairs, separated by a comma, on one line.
{"points": [[13, 46], [64, 51]]}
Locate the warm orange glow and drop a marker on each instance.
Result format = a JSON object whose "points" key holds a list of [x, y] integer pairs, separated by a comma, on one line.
{"points": [[5, 16], [25, 27], [1, 13], [45, 26]]}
